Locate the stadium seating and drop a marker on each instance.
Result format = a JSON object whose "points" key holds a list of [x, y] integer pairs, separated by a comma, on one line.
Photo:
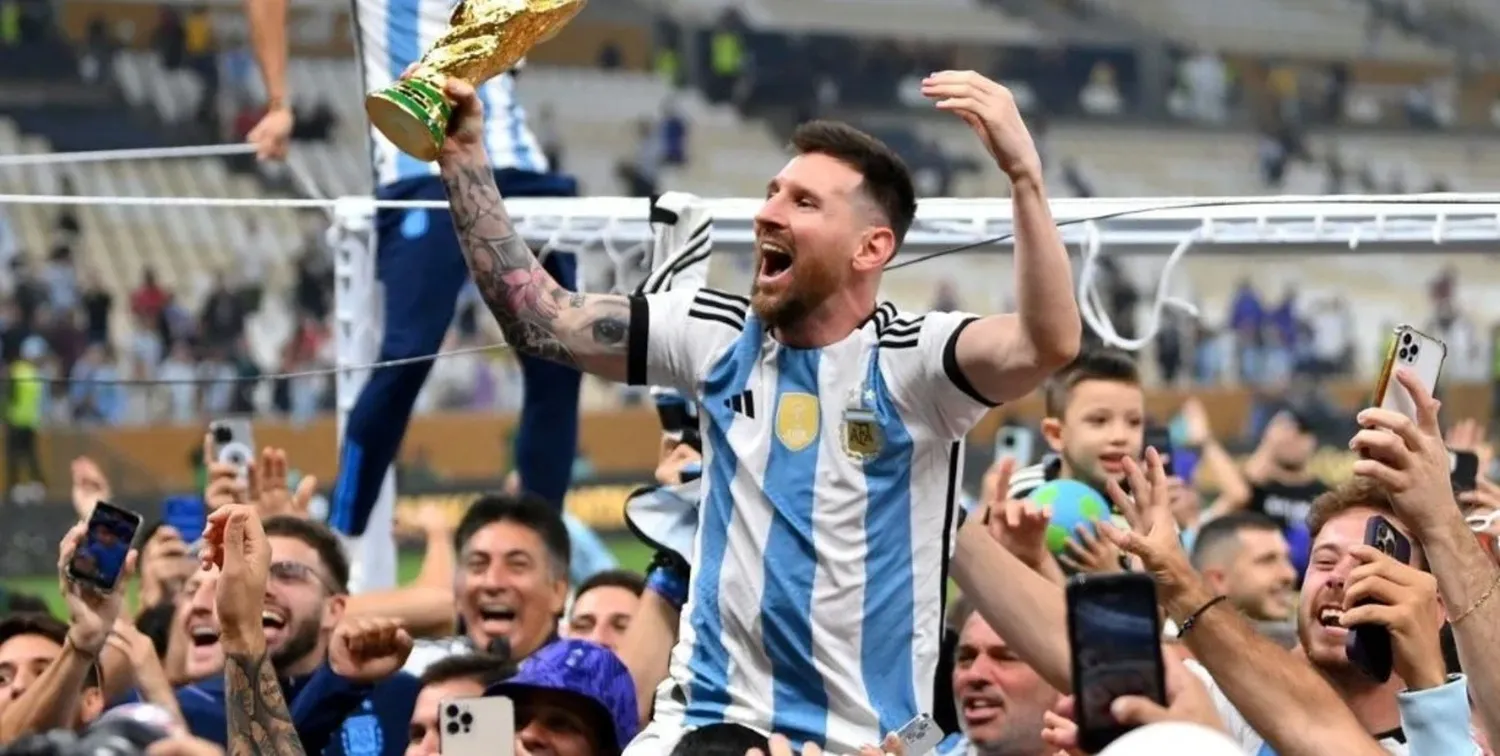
{"points": [[1328, 28], [939, 20]]}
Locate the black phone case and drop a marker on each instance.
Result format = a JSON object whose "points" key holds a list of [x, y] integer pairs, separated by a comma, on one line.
{"points": [[1094, 737], [1369, 646], [88, 580]]}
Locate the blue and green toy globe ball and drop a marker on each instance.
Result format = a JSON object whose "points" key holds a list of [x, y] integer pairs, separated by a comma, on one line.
{"points": [[1072, 504]]}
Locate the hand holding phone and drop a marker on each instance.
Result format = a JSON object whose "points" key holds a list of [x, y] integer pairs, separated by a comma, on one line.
{"points": [[96, 556], [1417, 353], [1369, 646], [1114, 631]]}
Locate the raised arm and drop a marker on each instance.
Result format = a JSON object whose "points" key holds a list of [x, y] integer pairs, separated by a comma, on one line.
{"points": [[1004, 357], [537, 316], [267, 20]]}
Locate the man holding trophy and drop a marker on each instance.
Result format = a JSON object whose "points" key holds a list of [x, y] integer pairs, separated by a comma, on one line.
{"points": [[418, 260]]}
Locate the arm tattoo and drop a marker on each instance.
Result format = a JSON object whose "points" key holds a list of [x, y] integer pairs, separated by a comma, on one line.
{"points": [[537, 316], [259, 723]]}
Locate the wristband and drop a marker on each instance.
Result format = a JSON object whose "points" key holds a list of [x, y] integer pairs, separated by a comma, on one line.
{"points": [[1192, 619], [668, 584]]}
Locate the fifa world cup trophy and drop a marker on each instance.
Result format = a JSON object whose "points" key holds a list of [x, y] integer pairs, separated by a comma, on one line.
{"points": [[485, 38]]}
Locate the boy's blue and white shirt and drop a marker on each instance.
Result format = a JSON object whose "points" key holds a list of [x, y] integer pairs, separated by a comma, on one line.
{"points": [[830, 484], [393, 34]]}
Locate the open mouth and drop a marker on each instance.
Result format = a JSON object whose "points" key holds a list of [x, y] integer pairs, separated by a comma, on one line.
{"points": [[497, 614], [981, 708], [1330, 618], [775, 261], [203, 635], [1113, 462]]}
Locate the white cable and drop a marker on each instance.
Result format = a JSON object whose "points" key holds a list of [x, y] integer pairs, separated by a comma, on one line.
{"points": [[1096, 315], [148, 153]]}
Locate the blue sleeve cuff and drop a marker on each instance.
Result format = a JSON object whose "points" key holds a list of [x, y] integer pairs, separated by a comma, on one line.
{"points": [[1436, 720]]}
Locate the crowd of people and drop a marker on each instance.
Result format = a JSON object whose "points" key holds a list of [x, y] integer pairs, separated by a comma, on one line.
{"points": [[806, 526]]}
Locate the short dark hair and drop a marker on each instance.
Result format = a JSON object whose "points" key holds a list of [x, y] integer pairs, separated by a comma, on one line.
{"points": [[484, 669], [318, 537], [1221, 531], [46, 626], [156, 623], [887, 182], [630, 580], [721, 739], [15, 601], [527, 510], [1092, 365]]}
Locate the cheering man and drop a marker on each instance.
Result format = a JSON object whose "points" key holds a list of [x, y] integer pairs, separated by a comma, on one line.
{"points": [[831, 423], [418, 262]]}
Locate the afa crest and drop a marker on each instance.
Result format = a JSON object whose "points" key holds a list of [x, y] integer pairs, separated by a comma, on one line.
{"points": [[862, 438], [797, 420]]}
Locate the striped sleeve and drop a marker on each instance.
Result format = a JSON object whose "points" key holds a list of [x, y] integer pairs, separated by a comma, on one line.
{"points": [[1026, 480], [675, 335]]}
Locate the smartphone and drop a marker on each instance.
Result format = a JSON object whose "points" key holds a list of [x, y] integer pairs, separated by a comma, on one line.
{"points": [[1420, 354], [1369, 646], [480, 726], [1115, 633], [1463, 471], [1017, 443], [187, 515], [233, 443], [99, 559], [1160, 438], [921, 735]]}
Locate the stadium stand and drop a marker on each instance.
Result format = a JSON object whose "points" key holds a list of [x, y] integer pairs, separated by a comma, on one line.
{"points": [[945, 20], [1322, 28]]}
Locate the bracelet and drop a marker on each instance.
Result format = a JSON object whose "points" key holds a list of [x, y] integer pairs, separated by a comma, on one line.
{"points": [[1483, 597], [1192, 619]]}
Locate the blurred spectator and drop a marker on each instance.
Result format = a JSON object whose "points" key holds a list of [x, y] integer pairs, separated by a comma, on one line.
{"points": [[170, 38], [1202, 92], [96, 64], [1101, 95], [222, 319], [674, 134], [549, 137], [726, 58], [640, 173], [97, 303], [23, 415], [178, 370]]}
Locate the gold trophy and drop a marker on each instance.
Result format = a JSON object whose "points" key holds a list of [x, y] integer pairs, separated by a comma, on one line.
{"points": [[485, 38]]}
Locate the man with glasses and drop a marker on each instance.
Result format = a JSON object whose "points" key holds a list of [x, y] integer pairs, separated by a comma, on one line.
{"points": [[344, 704]]}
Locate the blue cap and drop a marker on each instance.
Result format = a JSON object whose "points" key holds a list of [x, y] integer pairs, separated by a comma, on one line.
{"points": [[586, 671]]}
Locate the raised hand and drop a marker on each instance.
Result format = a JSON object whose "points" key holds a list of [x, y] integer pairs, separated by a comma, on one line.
{"points": [[1152, 536], [226, 486], [91, 612], [1018, 525], [1404, 600], [235, 542], [990, 110], [1408, 458], [269, 491], [89, 486], [368, 650]]}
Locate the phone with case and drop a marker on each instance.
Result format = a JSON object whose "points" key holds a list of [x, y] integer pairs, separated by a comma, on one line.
{"points": [[1417, 353], [1369, 647], [479, 726]]}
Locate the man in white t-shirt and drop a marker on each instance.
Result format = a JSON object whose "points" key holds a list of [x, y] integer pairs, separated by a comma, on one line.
{"points": [[832, 424]]}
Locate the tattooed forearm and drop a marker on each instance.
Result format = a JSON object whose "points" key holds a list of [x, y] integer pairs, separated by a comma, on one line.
{"points": [[259, 723], [537, 316]]}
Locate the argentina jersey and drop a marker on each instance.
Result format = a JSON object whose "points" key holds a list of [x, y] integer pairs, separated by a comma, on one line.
{"points": [[393, 34], [827, 519]]}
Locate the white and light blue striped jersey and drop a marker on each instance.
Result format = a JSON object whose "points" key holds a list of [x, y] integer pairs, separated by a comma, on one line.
{"points": [[393, 34], [830, 481]]}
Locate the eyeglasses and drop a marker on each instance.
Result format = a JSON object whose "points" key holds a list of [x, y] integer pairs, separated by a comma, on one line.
{"points": [[297, 573]]}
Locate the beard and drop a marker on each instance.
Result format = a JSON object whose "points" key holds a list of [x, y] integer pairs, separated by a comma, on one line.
{"points": [[300, 640], [810, 286]]}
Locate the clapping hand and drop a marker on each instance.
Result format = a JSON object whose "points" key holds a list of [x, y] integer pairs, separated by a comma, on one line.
{"points": [[92, 612], [368, 650]]}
